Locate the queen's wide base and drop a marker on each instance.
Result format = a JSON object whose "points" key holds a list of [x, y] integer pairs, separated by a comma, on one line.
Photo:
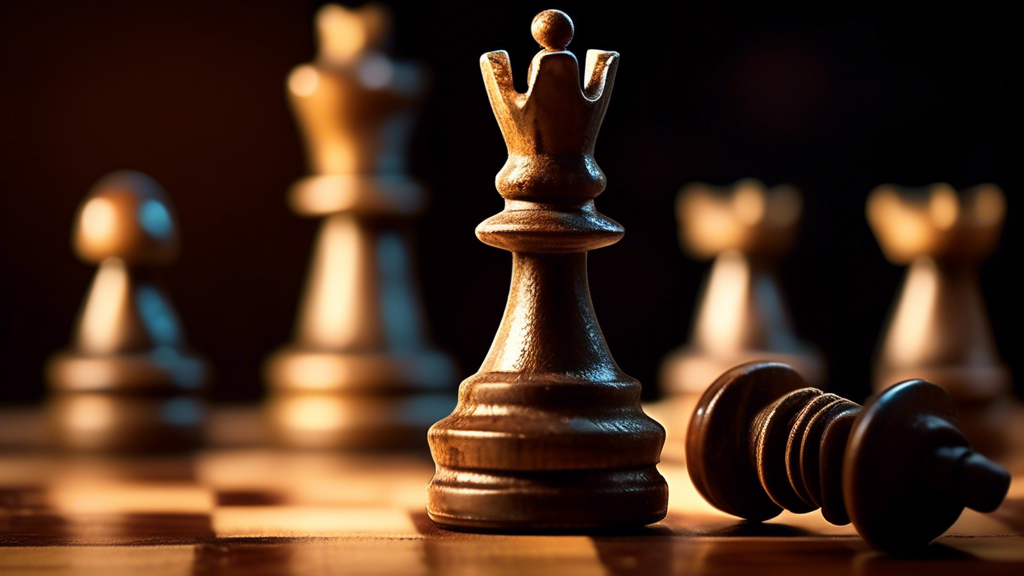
{"points": [[550, 500]]}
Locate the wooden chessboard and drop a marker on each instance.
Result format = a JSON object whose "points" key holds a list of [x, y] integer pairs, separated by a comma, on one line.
{"points": [[244, 509]]}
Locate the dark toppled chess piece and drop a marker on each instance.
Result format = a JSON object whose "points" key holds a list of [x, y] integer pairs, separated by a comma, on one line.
{"points": [[762, 440], [939, 329], [741, 315], [549, 434], [128, 381], [360, 372]]}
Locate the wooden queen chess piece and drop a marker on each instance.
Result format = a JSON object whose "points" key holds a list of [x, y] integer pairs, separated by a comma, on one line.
{"points": [[939, 329], [761, 440], [360, 372], [549, 434], [741, 315], [128, 381]]}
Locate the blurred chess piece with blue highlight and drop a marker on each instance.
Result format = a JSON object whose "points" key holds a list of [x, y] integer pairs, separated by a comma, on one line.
{"points": [[128, 381]]}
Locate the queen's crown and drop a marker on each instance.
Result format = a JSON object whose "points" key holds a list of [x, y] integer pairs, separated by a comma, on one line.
{"points": [[550, 130]]}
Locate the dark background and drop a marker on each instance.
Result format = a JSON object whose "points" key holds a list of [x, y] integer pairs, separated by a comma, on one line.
{"points": [[834, 100]]}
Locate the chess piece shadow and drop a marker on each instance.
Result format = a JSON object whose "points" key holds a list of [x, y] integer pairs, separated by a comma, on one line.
{"points": [[549, 434], [938, 329], [128, 381], [361, 372], [761, 440], [648, 552], [747, 529], [741, 315]]}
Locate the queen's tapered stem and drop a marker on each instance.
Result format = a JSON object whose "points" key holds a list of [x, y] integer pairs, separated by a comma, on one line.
{"points": [[549, 324]]}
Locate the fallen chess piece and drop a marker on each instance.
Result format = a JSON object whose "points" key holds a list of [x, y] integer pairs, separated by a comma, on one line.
{"points": [[761, 440]]}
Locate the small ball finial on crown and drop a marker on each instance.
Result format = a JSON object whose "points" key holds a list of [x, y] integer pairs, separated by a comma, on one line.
{"points": [[552, 29], [551, 129]]}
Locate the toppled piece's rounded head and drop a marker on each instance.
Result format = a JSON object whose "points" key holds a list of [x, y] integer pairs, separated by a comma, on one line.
{"points": [[126, 215], [909, 471], [552, 29]]}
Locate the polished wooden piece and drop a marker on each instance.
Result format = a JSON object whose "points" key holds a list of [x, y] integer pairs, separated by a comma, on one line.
{"points": [[360, 372], [742, 315], [939, 329], [762, 440], [128, 381], [549, 434]]}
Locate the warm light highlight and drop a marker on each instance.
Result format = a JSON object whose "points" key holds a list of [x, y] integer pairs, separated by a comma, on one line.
{"points": [[749, 204], [263, 521], [100, 331], [944, 207], [344, 33], [910, 334], [99, 221], [106, 496], [725, 305], [332, 316], [303, 81], [89, 412], [313, 413]]}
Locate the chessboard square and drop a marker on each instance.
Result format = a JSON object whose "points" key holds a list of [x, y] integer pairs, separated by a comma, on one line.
{"points": [[101, 561], [310, 521], [88, 497]]}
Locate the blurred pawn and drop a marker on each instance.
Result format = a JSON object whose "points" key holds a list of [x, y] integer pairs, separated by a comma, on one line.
{"points": [[939, 329], [128, 381], [741, 315]]}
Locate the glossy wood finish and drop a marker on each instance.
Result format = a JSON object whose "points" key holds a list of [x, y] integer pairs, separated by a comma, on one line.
{"points": [[741, 315], [228, 509], [360, 372], [939, 328], [128, 381], [762, 441], [549, 434]]}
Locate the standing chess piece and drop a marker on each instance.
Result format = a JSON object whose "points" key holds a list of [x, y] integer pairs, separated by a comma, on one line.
{"points": [[762, 440], [741, 315], [128, 381], [549, 434], [939, 329], [360, 372]]}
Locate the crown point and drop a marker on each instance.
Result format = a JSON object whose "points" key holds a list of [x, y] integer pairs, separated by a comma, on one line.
{"points": [[552, 29]]}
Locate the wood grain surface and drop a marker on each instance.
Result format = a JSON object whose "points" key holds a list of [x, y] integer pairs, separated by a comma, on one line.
{"points": [[242, 509]]}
